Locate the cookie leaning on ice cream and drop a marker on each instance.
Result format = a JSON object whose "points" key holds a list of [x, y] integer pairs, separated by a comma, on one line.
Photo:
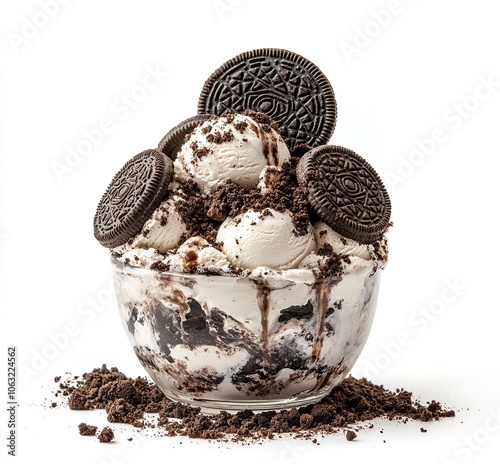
{"points": [[346, 192], [172, 142], [131, 197]]}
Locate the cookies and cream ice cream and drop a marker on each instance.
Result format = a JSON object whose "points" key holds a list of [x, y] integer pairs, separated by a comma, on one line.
{"points": [[164, 229], [247, 204], [272, 302], [252, 280], [230, 148], [264, 238]]}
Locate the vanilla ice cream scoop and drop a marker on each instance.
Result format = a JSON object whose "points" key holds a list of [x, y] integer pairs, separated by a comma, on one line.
{"points": [[233, 148], [264, 238], [268, 178], [197, 253], [164, 229], [344, 245]]}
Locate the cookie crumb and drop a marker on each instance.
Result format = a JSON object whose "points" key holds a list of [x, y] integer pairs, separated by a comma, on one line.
{"points": [[350, 435], [87, 430], [353, 403], [106, 435]]}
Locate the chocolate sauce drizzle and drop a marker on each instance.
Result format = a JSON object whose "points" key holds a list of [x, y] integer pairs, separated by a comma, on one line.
{"points": [[264, 302], [269, 142], [322, 289]]}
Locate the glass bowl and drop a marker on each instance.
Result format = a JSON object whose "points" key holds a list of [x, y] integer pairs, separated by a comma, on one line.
{"points": [[276, 341]]}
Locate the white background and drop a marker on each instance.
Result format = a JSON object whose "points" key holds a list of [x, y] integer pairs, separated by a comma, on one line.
{"points": [[403, 72]]}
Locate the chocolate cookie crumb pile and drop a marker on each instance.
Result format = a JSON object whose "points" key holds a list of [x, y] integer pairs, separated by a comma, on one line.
{"points": [[349, 406]]}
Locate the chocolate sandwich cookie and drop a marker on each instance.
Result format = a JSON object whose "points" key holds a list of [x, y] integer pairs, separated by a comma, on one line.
{"points": [[282, 84], [345, 192], [175, 138], [132, 196]]}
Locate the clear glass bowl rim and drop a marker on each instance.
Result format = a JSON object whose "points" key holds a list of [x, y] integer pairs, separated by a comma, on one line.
{"points": [[314, 276]]}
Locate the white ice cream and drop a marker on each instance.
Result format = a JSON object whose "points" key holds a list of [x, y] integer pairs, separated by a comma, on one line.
{"points": [[197, 254], [163, 229], [268, 178], [265, 238], [222, 150], [143, 257], [237, 322], [342, 245]]}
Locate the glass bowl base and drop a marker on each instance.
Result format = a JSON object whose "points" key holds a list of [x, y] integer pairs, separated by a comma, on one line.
{"points": [[209, 406]]}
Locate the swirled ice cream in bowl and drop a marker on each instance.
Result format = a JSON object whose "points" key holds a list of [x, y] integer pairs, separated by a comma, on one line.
{"points": [[246, 275]]}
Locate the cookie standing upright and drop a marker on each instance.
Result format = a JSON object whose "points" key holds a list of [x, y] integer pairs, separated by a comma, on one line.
{"points": [[284, 85]]}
